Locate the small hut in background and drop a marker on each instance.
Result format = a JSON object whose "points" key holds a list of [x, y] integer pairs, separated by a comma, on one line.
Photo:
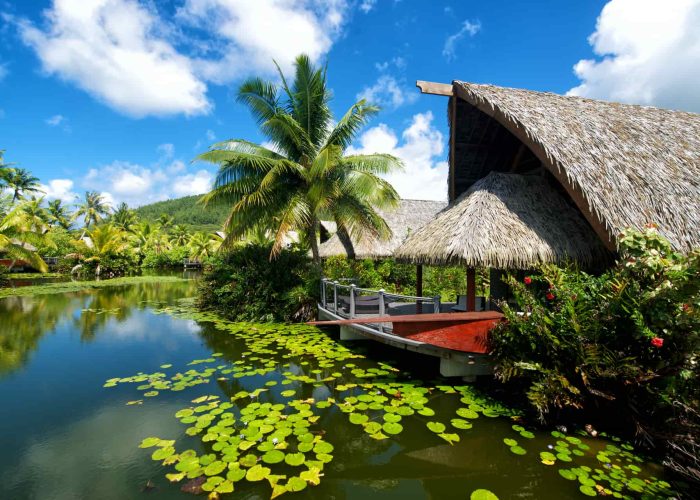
{"points": [[537, 177], [405, 219]]}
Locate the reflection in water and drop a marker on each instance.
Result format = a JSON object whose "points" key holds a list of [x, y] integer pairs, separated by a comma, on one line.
{"points": [[25, 320]]}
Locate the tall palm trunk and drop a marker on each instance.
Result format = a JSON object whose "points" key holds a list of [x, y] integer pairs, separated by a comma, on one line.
{"points": [[312, 234], [344, 238]]}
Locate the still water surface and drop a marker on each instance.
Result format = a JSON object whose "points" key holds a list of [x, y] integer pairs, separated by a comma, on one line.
{"points": [[64, 436]]}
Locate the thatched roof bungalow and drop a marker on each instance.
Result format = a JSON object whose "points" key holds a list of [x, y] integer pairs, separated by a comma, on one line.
{"points": [[505, 221], [409, 216], [537, 177]]}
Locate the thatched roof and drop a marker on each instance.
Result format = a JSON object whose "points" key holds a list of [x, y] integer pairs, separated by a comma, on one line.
{"points": [[506, 221], [622, 165], [405, 219]]}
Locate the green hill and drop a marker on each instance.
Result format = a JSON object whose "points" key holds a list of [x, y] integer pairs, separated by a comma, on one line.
{"points": [[186, 211]]}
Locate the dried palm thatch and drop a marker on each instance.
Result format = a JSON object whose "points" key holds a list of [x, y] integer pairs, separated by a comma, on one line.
{"points": [[402, 221], [623, 165], [506, 221]]}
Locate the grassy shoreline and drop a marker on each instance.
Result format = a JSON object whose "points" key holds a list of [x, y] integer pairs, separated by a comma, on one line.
{"points": [[76, 286]]}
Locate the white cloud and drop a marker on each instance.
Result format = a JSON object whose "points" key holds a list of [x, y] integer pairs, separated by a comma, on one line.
{"points": [[388, 91], [421, 148], [211, 136], [136, 185], [470, 28], [60, 189], [649, 53], [166, 150], [367, 5], [282, 30], [113, 49], [55, 120]]}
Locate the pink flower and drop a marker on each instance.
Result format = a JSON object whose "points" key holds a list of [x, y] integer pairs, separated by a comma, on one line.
{"points": [[527, 280], [657, 342]]}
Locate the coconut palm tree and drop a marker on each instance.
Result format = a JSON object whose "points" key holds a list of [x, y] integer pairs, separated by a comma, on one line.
{"points": [[180, 235], [204, 245], [18, 240], [305, 176], [93, 208], [21, 182], [166, 222], [60, 215], [102, 242], [5, 169], [37, 216], [123, 217]]}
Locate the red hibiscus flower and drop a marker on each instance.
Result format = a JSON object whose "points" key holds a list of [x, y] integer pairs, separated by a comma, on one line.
{"points": [[527, 280], [657, 342], [550, 296]]}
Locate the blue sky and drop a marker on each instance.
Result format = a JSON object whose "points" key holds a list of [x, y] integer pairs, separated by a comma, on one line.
{"points": [[119, 95]]}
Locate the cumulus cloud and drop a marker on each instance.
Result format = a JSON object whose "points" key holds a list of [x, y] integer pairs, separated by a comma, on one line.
{"points": [[60, 189], [283, 29], [648, 53], [469, 28], [139, 185], [421, 148], [114, 50], [388, 91]]}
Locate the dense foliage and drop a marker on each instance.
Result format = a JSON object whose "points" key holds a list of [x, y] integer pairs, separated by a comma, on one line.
{"points": [[446, 281], [245, 285], [625, 344], [186, 211]]}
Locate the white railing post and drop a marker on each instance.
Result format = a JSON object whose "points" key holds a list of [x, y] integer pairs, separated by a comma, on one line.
{"points": [[382, 310], [335, 296], [323, 292], [436, 304], [352, 300]]}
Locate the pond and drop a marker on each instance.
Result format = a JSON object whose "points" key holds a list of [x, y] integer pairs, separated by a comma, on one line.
{"points": [[126, 392]]}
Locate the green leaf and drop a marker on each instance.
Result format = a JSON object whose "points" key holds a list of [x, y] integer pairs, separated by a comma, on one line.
{"points": [[294, 459], [257, 473], [358, 418], [482, 494], [458, 423], [518, 450], [214, 468], [295, 484], [392, 428], [149, 442], [510, 442], [273, 457], [436, 427], [568, 474]]}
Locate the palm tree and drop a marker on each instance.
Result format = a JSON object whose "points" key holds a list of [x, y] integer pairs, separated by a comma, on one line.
{"points": [[60, 215], [21, 181], [18, 240], [305, 176], [5, 169], [37, 216], [124, 217], [180, 235], [93, 209], [166, 221], [102, 242], [203, 245]]}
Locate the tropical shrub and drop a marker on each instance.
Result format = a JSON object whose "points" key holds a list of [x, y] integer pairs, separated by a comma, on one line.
{"points": [[245, 285], [173, 257], [624, 344], [446, 281]]}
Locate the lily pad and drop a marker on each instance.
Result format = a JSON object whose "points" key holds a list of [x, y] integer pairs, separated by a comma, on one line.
{"points": [[273, 457], [295, 459], [436, 427], [482, 494], [518, 450], [392, 428], [257, 473]]}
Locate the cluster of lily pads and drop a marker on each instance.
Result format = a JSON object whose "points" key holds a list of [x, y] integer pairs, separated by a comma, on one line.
{"points": [[616, 474], [273, 434]]}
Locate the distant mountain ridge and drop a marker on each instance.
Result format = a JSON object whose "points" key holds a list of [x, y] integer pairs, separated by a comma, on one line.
{"points": [[186, 211]]}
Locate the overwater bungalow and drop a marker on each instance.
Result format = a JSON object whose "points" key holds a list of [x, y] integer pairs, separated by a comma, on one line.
{"points": [[537, 178]]}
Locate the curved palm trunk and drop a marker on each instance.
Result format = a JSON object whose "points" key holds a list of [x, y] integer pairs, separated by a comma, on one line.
{"points": [[313, 241], [344, 238]]}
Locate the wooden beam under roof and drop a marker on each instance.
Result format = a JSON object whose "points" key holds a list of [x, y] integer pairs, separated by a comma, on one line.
{"points": [[434, 88]]}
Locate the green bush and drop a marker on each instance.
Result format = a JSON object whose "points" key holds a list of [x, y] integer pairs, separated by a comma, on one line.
{"points": [[623, 344], [173, 257], [245, 285], [394, 277]]}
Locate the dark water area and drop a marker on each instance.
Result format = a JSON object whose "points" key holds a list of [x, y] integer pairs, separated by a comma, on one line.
{"points": [[66, 436]]}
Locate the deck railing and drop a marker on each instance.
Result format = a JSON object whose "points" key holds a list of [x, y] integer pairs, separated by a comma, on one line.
{"points": [[351, 301]]}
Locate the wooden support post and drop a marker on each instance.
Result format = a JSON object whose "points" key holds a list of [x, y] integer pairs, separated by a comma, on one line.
{"points": [[419, 288], [471, 289], [335, 297], [352, 301], [382, 308]]}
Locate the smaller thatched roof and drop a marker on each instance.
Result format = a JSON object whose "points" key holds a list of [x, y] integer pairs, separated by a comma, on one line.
{"points": [[506, 221], [409, 216]]}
